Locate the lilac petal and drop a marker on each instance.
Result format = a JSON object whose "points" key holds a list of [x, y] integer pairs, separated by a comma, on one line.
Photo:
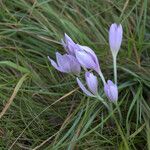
{"points": [[114, 93], [53, 63], [88, 93], [74, 65], [111, 90], [110, 83], [108, 92], [59, 58], [112, 37], [68, 39], [93, 55], [106, 89], [85, 60], [119, 36], [70, 46], [63, 62], [89, 50], [92, 82]]}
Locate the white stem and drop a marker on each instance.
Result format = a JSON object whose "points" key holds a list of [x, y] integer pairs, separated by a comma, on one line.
{"points": [[115, 68], [102, 77]]}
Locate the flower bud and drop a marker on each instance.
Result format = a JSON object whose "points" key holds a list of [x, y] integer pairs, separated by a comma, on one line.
{"points": [[92, 84], [115, 38], [111, 91]]}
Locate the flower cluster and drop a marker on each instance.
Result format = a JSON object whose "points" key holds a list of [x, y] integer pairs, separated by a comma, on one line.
{"points": [[79, 56]]}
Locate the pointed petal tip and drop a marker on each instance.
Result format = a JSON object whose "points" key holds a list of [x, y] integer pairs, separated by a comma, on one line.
{"points": [[67, 37], [65, 34]]}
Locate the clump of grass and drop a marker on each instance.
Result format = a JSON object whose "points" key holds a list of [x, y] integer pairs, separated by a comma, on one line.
{"points": [[48, 111]]}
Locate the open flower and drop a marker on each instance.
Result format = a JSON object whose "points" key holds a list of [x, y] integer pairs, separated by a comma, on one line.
{"points": [[111, 91], [66, 63], [115, 38], [92, 84], [87, 58], [69, 45]]}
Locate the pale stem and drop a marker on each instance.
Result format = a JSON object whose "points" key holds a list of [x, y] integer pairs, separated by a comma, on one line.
{"points": [[102, 77], [102, 100], [115, 68]]}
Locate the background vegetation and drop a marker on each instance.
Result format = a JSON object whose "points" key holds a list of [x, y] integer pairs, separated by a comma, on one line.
{"points": [[42, 108]]}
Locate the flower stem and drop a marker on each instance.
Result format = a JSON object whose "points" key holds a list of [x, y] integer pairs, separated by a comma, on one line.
{"points": [[102, 77], [115, 68], [102, 100]]}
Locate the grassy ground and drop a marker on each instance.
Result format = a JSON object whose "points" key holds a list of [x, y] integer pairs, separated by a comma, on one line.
{"points": [[42, 108]]}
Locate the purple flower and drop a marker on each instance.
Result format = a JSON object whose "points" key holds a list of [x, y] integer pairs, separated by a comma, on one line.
{"points": [[92, 84], [111, 91], [66, 63], [69, 45], [87, 58], [115, 37]]}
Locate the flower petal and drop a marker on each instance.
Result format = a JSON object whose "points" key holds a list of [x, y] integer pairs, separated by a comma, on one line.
{"points": [[85, 59], [66, 64], [111, 91], [74, 65], [93, 55], [53, 63], [69, 45], [114, 93], [110, 83], [88, 93], [59, 58], [92, 82], [112, 37], [68, 39], [119, 35], [115, 37]]}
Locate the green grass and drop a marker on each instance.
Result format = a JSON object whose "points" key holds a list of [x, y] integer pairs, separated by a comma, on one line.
{"points": [[48, 111]]}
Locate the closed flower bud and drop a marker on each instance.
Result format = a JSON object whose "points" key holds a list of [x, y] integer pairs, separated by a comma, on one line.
{"points": [[92, 84], [115, 38], [66, 63], [111, 91]]}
